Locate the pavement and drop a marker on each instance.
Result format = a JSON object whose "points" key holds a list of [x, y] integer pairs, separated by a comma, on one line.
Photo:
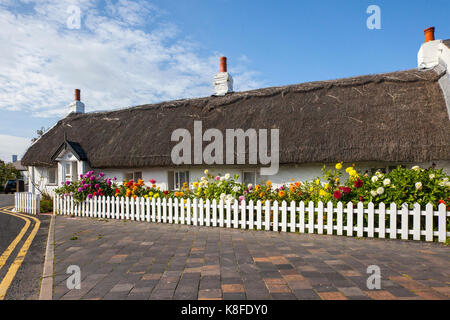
{"points": [[139, 260], [26, 279]]}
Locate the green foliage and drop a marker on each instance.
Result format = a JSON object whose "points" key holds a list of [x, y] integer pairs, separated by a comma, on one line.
{"points": [[8, 172]]}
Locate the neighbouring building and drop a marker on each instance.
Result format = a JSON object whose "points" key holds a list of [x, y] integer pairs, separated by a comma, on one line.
{"points": [[375, 121]]}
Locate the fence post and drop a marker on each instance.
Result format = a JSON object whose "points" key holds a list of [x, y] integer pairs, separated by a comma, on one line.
{"points": [[243, 214], [360, 219], [371, 220], [267, 215], [405, 215], [195, 211], [350, 219], [235, 214], [330, 211], [251, 215], [416, 222], [170, 204], [320, 217], [393, 221], [311, 217], [283, 216]]}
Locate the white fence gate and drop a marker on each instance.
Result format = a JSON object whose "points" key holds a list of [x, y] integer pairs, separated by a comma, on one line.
{"points": [[27, 202], [381, 222]]}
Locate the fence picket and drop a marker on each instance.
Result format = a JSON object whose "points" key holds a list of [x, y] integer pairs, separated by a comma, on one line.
{"points": [[176, 208], [283, 216], [221, 213], [320, 217], [201, 212], [404, 219], [267, 215], [393, 221], [236, 214], [429, 222], [442, 223], [164, 209], [243, 214], [182, 207], [251, 215], [360, 219], [195, 212], [416, 222], [208, 212], [214, 213], [158, 209], [137, 203], [258, 215], [170, 204], [330, 217], [275, 216], [350, 219], [311, 217], [301, 214], [371, 220], [382, 220]]}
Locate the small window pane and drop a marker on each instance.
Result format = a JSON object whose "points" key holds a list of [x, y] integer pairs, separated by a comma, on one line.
{"points": [[52, 175], [128, 176], [137, 176], [249, 178]]}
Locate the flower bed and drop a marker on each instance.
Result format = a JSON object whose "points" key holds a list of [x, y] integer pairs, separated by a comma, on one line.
{"points": [[399, 186]]}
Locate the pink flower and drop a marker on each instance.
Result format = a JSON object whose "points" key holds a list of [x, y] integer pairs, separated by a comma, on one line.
{"points": [[101, 174], [217, 178], [241, 198], [152, 181]]}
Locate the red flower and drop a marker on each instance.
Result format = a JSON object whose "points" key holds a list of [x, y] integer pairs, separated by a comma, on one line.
{"points": [[361, 198], [441, 201], [117, 190], [337, 194], [358, 183], [346, 190], [166, 192]]}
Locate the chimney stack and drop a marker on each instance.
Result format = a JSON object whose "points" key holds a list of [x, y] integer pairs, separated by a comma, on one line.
{"points": [[223, 82], [76, 106], [429, 34], [77, 94]]}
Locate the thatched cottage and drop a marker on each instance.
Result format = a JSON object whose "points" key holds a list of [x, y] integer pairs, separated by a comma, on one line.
{"points": [[375, 121]]}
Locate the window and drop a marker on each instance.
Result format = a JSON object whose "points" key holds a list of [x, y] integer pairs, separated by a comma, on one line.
{"points": [[178, 179], [68, 171], [249, 177], [135, 176], [52, 172]]}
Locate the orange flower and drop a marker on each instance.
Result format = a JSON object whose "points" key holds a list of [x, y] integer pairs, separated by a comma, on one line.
{"points": [[292, 188], [281, 193], [269, 183], [297, 184], [257, 187]]}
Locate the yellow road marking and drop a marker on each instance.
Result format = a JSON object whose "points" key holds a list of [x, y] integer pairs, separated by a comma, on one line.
{"points": [[5, 255], [9, 277]]}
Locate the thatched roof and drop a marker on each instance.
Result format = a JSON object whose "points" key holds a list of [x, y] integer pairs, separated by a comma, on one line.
{"points": [[392, 117]]}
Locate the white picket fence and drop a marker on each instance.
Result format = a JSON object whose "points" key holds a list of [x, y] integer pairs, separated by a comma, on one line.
{"points": [[27, 202], [294, 217]]}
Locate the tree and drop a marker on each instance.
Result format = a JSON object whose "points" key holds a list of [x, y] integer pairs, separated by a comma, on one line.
{"points": [[40, 132], [8, 172]]}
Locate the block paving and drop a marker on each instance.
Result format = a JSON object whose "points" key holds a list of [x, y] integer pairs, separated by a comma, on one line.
{"points": [[140, 260]]}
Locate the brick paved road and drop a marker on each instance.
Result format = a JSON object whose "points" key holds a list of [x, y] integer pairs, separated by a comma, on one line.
{"points": [[135, 260]]}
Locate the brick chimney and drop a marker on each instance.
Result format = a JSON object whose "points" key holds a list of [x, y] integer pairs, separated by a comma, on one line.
{"points": [[223, 82], [76, 106]]}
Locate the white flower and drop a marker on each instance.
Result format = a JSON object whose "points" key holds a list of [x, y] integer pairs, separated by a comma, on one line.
{"points": [[227, 176], [374, 179], [431, 176], [236, 188], [379, 174], [445, 180], [447, 184], [250, 186], [380, 190], [373, 193], [203, 178], [206, 171], [387, 182], [229, 197], [415, 168], [418, 185], [222, 196]]}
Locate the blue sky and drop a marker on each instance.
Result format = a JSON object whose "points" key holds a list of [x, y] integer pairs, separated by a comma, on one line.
{"points": [[127, 53]]}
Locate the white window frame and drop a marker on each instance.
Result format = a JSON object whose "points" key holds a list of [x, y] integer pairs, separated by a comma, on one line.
{"points": [[177, 173], [249, 171], [55, 182], [133, 174]]}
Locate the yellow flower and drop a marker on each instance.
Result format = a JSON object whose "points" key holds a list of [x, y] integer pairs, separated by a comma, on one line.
{"points": [[269, 183], [262, 194], [157, 195], [318, 181], [327, 186], [196, 184], [353, 173], [337, 180], [146, 196], [206, 172], [323, 193], [311, 189], [348, 169], [339, 166], [257, 187], [150, 193], [199, 193]]}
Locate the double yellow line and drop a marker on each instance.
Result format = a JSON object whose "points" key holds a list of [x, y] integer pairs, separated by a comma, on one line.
{"points": [[12, 271]]}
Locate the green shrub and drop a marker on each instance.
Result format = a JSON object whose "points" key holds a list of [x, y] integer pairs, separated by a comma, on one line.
{"points": [[46, 206]]}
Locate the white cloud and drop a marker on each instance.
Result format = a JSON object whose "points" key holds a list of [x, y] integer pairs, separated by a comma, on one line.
{"points": [[10, 145], [121, 56]]}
